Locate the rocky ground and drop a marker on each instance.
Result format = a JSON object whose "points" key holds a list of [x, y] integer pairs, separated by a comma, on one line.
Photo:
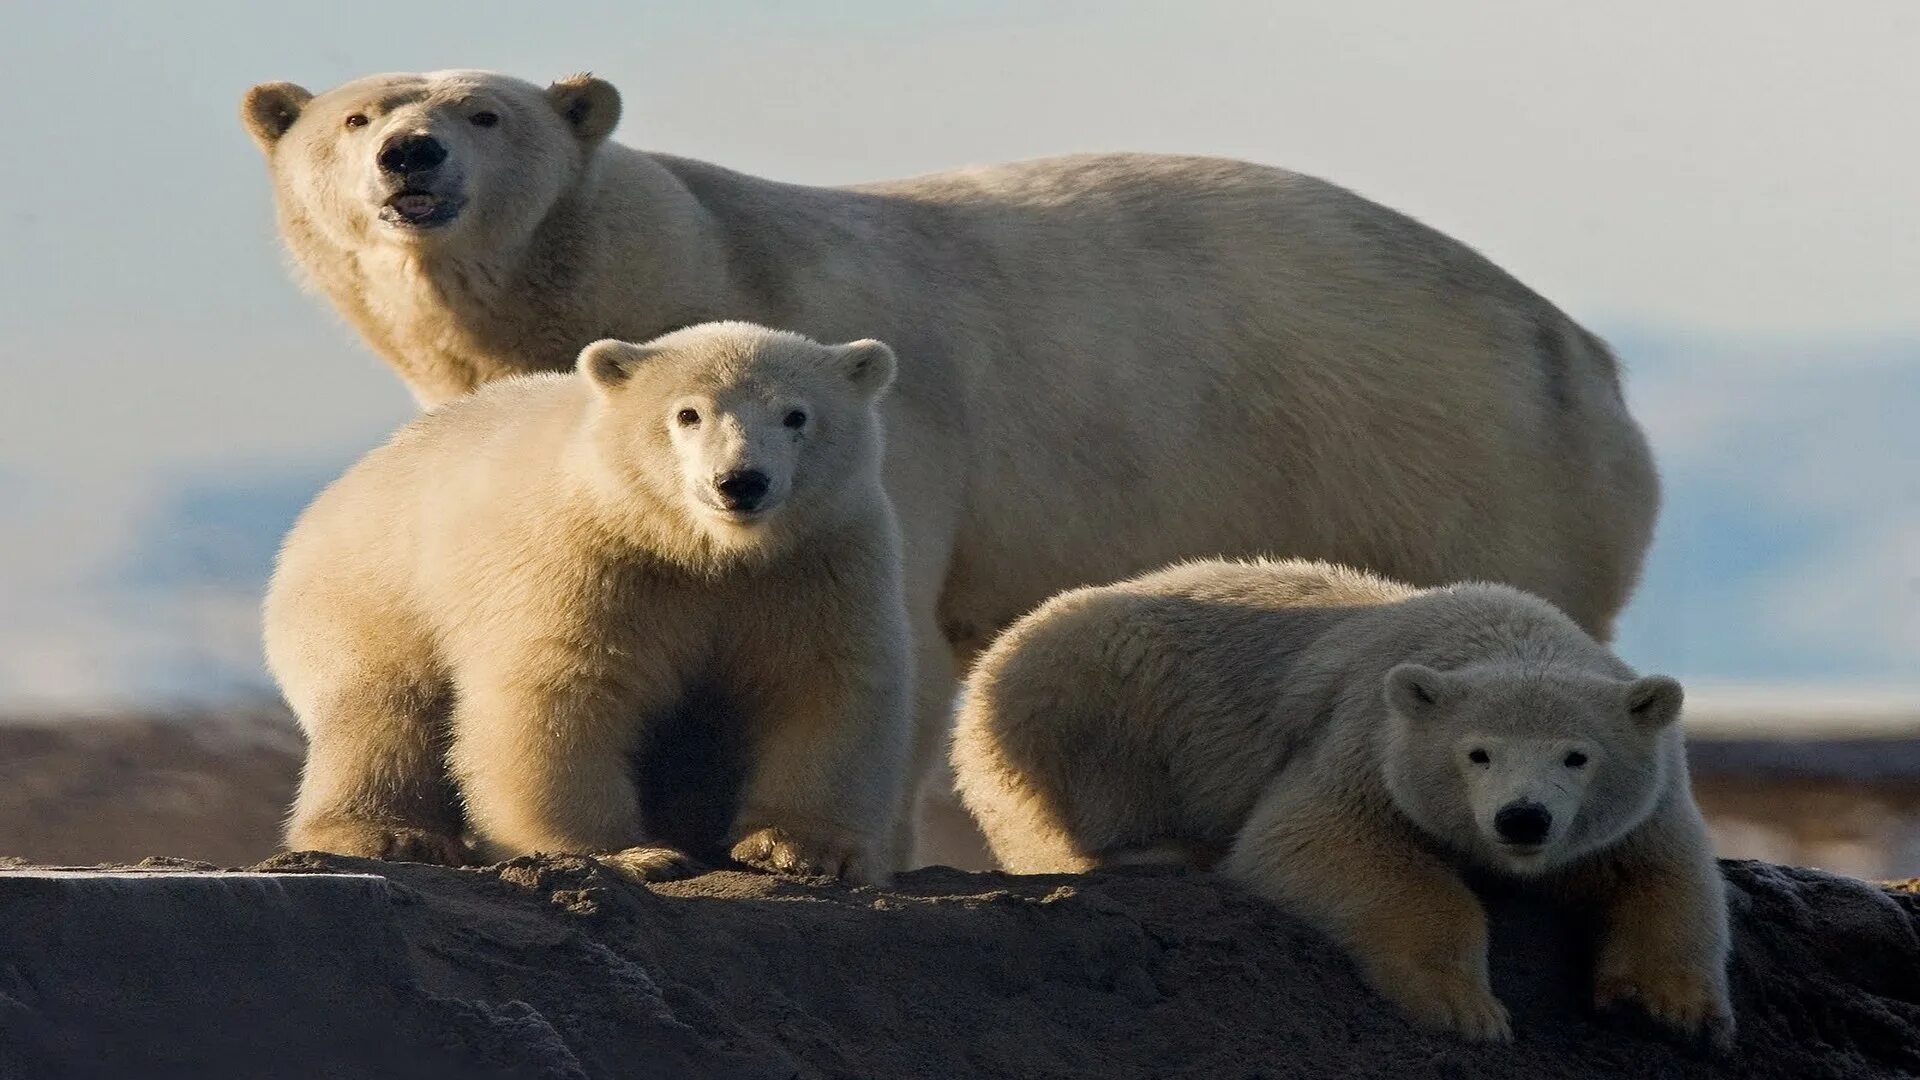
{"points": [[553, 967]]}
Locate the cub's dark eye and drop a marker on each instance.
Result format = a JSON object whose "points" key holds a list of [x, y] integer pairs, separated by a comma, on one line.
{"points": [[484, 119], [1478, 757], [1575, 760], [795, 420], [355, 120], [687, 417]]}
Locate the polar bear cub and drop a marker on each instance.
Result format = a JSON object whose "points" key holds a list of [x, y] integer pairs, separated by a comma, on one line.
{"points": [[524, 583], [1344, 746]]}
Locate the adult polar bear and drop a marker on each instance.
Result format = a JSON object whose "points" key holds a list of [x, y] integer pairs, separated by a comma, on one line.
{"points": [[1107, 362]]}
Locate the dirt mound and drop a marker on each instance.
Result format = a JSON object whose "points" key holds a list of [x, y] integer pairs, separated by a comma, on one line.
{"points": [[552, 967]]}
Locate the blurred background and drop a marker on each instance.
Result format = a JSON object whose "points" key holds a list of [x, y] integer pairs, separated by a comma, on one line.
{"points": [[1725, 189]]}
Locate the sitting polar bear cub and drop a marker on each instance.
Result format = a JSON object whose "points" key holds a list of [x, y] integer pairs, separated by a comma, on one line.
{"points": [[1343, 745], [529, 580]]}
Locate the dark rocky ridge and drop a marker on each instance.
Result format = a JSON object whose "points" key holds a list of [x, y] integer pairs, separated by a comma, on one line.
{"points": [[552, 967]]}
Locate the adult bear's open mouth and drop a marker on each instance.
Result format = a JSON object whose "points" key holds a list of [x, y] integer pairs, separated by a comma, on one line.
{"points": [[419, 210]]}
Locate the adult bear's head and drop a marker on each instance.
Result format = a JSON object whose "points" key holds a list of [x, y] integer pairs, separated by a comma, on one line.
{"points": [[445, 160]]}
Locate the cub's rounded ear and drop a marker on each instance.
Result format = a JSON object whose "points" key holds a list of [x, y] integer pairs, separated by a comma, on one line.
{"points": [[1414, 690], [270, 109], [868, 364], [609, 363], [1654, 701], [590, 106]]}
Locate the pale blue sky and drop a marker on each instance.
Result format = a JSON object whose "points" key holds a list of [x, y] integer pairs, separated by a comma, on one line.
{"points": [[1725, 188]]}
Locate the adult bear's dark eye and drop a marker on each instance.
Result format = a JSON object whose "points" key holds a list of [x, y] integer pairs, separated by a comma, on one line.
{"points": [[1575, 760], [687, 417], [1478, 757], [795, 420], [485, 119], [355, 120]]}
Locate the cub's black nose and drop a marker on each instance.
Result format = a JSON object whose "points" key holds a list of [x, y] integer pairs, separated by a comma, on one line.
{"points": [[742, 489], [405, 154], [1522, 823]]}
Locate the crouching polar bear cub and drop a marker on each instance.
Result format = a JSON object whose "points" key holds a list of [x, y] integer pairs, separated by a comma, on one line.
{"points": [[1342, 745], [522, 582]]}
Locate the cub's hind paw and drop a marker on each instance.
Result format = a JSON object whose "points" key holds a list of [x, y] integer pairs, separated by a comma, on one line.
{"points": [[376, 840]]}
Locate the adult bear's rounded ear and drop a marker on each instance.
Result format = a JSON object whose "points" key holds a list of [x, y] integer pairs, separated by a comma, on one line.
{"points": [[1415, 690], [609, 362], [590, 106], [868, 364], [270, 109], [1654, 701]]}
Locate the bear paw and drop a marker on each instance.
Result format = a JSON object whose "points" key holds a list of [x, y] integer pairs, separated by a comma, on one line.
{"points": [[1457, 1001], [1688, 1001], [377, 840], [650, 862], [784, 852]]}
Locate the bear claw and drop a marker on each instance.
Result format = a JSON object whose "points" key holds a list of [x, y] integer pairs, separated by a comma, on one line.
{"points": [[650, 862], [1682, 1001], [783, 852], [1452, 1001], [392, 843]]}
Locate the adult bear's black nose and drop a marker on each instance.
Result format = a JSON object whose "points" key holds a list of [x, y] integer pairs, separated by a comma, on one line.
{"points": [[406, 154], [1523, 823], [742, 489]]}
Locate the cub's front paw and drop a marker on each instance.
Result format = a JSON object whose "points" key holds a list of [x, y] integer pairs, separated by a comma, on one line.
{"points": [[1457, 1000], [830, 855], [1690, 1001], [650, 862], [378, 840]]}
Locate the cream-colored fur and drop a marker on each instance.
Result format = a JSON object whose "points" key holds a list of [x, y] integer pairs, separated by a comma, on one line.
{"points": [[1112, 362], [1344, 745], [525, 581]]}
